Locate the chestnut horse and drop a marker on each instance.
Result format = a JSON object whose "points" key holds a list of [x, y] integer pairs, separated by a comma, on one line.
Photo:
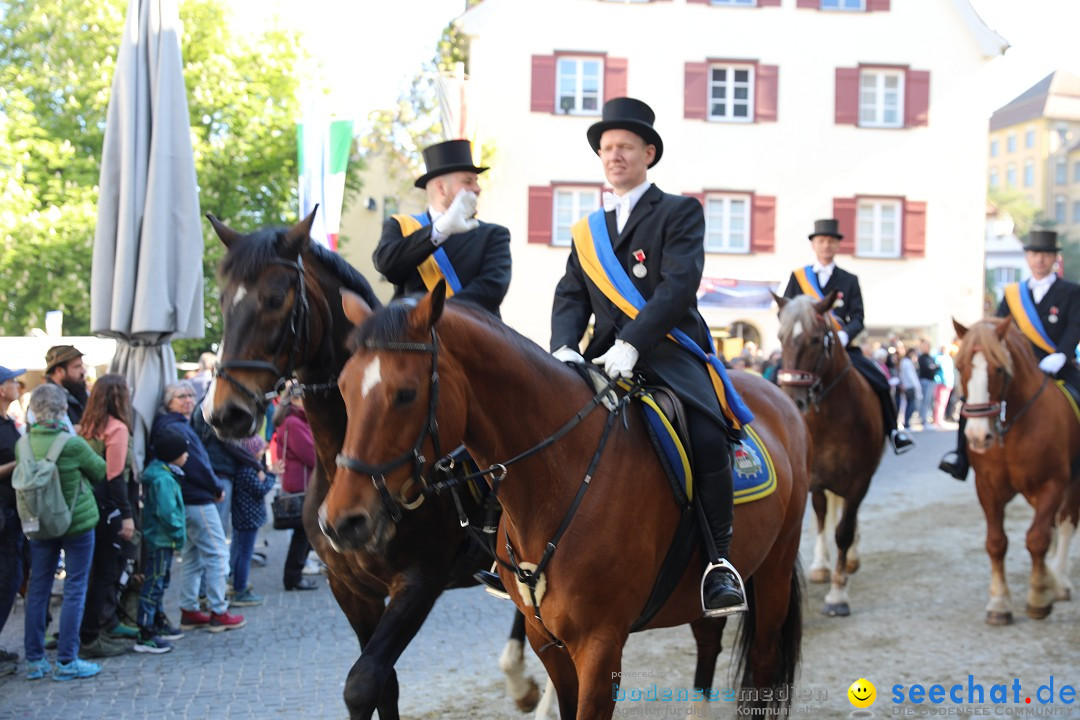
{"points": [[841, 410], [282, 314], [1022, 437], [479, 380]]}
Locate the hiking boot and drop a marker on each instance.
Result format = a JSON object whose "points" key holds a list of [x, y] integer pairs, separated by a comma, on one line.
{"points": [[220, 622], [165, 629], [153, 644], [6, 656], [246, 598], [193, 619], [104, 646], [123, 632], [901, 441], [721, 590], [37, 669], [75, 670]]}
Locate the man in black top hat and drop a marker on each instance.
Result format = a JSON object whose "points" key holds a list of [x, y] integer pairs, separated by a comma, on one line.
{"points": [[824, 277], [1057, 305], [447, 242], [658, 239]]}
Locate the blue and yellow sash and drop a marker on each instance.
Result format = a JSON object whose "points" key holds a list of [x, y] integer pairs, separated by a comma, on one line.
{"points": [[1022, 309], [598, 260], [436, 266], [807, 279]]}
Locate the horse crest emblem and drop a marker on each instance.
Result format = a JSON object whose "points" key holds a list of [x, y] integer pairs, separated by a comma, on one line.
{"points": [[747, 462]]}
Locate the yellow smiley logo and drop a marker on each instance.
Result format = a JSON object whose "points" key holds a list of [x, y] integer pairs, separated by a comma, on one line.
{"points": [[862, 693]]}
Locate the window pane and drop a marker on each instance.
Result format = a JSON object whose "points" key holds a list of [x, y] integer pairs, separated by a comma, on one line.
{"points": [[742, 76], [719, 91], [589, 103], [1076, 211], [719, 74], [719, 110], [739, 111]]}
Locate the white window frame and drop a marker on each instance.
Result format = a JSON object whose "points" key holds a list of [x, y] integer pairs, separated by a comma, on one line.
{"points": [[718, 239], [1003, 276], [729, 86], [578, 76], [1060, 209], [576, 195], [843, 5], [877, 107], [872, 211]]}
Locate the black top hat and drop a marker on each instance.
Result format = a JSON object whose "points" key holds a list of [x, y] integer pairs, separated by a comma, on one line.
{"points": [[1042, 241], [60, 354], [447, 157], [828, 226], [627, 114]]}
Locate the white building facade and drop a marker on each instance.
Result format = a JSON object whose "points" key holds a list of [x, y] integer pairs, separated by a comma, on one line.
{"points": [[773, 113]]}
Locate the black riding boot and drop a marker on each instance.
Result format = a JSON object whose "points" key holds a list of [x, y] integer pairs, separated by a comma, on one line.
{"points": [[492, 583], [901, 441], [956, 462], [721, 587]]}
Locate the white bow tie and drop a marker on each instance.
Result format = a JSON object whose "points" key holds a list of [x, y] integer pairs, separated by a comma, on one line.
{"points": [[613, 201]]}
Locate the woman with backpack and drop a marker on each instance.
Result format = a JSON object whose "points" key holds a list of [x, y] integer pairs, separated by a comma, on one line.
{"points": [[78, 467]]}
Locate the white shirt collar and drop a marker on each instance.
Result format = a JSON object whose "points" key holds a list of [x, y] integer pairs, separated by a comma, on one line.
{"points": [[824, 272], [435, 214], [635, 194], [1045, 283]]}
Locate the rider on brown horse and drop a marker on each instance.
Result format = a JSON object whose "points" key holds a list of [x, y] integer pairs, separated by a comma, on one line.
{"points": [[658, 239], [1046, 308], [824, 277]]}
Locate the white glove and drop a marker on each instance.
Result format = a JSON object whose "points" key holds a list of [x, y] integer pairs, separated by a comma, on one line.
{"points": [[1052, 363], [619, 360], [565, 354], [843, 337], [458, 218]]}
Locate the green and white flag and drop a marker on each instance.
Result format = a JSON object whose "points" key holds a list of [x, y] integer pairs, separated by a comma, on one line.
{"points": [[323, 149]]}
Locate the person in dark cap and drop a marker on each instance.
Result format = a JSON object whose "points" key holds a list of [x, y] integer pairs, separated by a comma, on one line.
{"points": [[12, 539], [446, 241], [824, 277], [649, 247], [1046, 308], [64, 367]]}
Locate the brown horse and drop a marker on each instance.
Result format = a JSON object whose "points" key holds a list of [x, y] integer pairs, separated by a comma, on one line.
{"points": [[282, 314], [503, 394], [841, 410], [1023, 438]]}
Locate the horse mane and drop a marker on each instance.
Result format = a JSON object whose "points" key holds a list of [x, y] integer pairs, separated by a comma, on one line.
{"points": [[249, 257], [983, 335], [799, 309]]}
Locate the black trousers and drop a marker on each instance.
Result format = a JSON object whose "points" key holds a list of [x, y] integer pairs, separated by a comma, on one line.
{"points": [[296, 557], [870, 370], [713, 481], [103, 589]]}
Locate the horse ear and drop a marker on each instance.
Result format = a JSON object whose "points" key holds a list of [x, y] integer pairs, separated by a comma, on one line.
{"points": [[300, 234], [825, 304], [1002, 326], [227, 235], [430, 308], [961, 331], [781, 302], [356, 310]]}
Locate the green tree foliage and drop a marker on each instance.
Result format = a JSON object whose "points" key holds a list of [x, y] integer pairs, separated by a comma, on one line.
{"points": [[1015, 204], [57, 59]]}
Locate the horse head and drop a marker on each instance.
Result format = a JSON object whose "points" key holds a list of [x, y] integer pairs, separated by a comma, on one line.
{"points": [[986, 363], [405, 408], [808, 347], [273, 318]]}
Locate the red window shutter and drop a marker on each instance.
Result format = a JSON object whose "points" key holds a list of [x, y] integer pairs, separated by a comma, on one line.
{"points": [[767, 93], [614, 78], [809, 4], [844, 212], [847, 96], [914, 229], [917, 98], [768, 3], [763, 224], [696, 91], [877, 5], [700, 197], [543, 83], [540, 211]]}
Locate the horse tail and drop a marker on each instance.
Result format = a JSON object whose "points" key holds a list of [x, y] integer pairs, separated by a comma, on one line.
{"points": [[777, 686]]}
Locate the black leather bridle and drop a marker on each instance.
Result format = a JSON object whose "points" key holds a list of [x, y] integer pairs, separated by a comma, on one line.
{"points": [[811, 380]]}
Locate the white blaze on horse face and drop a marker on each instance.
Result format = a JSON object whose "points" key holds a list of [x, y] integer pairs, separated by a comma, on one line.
{"points": [[978, 393], [796, 329], [240, 293], [372, 377]]}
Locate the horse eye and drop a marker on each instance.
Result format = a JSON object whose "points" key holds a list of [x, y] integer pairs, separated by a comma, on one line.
{"points": [[404, 396], [274, 302]]}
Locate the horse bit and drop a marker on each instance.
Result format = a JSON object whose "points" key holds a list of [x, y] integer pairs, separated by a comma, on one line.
{"points": [[997, 410]]}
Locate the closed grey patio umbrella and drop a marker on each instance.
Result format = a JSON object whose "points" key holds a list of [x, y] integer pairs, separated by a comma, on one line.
{"points": [[146, 282]]}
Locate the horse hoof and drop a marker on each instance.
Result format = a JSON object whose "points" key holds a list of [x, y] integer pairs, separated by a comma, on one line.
{"points": [[1038, 613], [994, 617], [528, 702], [836, 609], [1064, 595], [819, 575], [852, 566]]}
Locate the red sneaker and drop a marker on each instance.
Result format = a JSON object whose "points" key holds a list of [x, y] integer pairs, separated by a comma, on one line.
{"points": [[193, 619], [219, 622]]}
